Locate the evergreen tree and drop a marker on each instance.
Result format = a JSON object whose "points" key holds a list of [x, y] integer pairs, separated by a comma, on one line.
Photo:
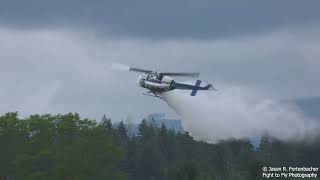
{"points": [[122, 131], [106, 123]]}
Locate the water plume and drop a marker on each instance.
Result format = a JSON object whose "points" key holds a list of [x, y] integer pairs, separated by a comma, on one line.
{"points": [[237, 112]]}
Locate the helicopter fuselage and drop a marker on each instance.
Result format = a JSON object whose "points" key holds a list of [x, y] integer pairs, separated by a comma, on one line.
{"points": [[156, 83]]}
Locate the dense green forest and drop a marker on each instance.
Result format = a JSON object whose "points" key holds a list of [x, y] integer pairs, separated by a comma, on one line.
{"points": [[66, 147]]}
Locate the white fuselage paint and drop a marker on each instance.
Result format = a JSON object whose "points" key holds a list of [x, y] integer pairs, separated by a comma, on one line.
{"points": [[151, 82]]}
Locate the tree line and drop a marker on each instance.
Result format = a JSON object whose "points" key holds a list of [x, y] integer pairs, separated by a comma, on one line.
{"points": [[67, 147]]}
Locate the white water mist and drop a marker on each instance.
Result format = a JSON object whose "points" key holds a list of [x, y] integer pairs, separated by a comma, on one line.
{"points": [[238, 113]]}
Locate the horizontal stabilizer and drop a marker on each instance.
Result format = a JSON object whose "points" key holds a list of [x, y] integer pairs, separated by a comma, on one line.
{"points": [[194, 88]]}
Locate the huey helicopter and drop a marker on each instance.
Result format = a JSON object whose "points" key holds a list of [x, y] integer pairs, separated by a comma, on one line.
{"points": [[160, 82]]}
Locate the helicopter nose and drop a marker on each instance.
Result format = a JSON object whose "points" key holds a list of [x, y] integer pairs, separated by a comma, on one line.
{"points": [[139, 80]]}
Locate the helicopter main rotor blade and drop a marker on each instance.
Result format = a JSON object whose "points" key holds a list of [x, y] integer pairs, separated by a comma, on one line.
{"points": [[122, 67], [117, 66], [139, 70], [184, 74]]}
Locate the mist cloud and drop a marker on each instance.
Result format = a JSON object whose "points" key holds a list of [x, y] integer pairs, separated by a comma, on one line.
{"points": [[237, 112]]}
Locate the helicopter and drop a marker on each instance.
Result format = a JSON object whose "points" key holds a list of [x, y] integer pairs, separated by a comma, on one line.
{"points": [[159, 82]]}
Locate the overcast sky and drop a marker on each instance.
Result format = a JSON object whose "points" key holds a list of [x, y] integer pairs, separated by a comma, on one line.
{"points": [[55, 55]]}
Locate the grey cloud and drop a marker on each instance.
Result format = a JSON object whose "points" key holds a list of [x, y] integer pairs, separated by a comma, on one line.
{"points": [[50, 71], [57, 72], [162, 19]]}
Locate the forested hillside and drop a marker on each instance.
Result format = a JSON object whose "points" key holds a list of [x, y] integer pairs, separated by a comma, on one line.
{"points": [[66, 147]]}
